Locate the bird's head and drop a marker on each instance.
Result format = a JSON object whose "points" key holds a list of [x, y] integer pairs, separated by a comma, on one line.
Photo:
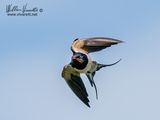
{"points": [[79, 60]]}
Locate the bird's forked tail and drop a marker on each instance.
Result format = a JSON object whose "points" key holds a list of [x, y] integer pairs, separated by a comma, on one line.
{"points": [[106, 65]]}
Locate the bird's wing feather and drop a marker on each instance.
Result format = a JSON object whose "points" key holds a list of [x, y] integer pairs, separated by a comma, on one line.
{"points": [[93, 44], [75, 82]]}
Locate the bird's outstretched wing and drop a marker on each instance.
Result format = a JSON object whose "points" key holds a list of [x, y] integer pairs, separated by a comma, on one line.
{"points": [[92, 44], [75, 82]]}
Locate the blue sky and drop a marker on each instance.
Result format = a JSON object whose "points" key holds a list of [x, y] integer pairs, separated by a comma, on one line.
{"points": [[33, 51]]}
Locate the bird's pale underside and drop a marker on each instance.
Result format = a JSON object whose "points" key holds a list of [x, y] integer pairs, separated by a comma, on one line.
{"points": [[82, 63]]}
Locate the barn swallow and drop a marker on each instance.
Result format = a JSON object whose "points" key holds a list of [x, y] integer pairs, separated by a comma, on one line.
{"points": [[82, 63]]}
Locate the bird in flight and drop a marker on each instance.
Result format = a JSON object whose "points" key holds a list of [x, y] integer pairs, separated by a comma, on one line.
{"points": [[82, 63]]}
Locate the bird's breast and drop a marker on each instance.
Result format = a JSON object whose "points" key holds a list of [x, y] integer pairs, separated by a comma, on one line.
{"points": [[86, 69]]}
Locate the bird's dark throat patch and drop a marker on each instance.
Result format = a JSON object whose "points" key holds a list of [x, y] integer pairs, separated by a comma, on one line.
{"points": [[79, 61]]}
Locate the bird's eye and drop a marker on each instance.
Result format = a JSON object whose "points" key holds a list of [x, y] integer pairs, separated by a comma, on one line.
{"points": [[78, 57]]}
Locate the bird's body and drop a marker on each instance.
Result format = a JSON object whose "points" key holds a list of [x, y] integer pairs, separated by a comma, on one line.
{"points": [[82, 63]]}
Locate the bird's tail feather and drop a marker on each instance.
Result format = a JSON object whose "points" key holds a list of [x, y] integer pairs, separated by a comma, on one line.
{"points": [[106, 65], [90, 77]]}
